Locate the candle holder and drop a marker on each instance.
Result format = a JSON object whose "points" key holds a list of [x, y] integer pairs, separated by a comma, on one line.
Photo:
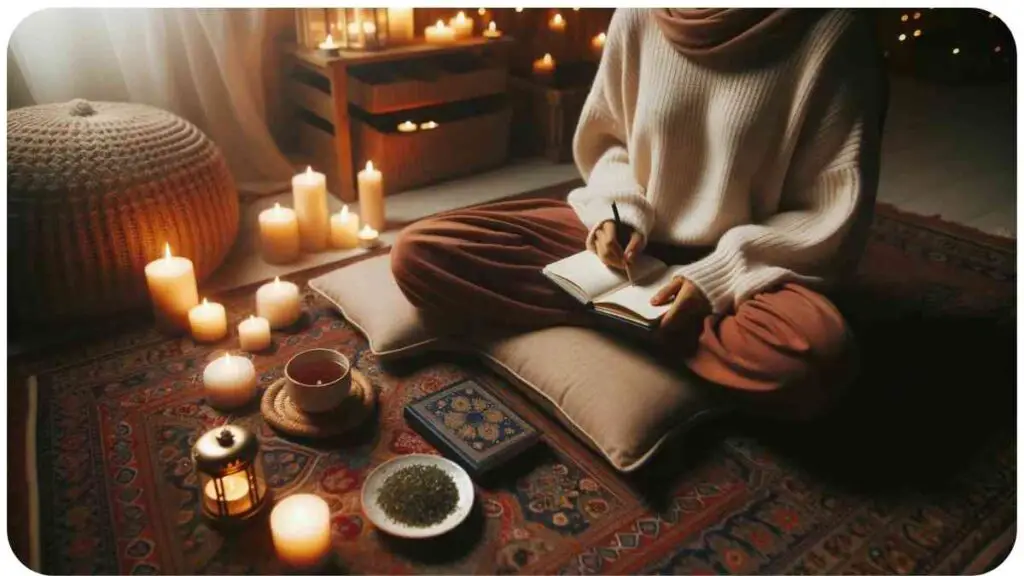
{"points": [[231, 484], [350, 28]]}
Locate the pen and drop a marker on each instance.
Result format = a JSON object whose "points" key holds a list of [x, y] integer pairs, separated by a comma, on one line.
{"points": [[622, 236]]}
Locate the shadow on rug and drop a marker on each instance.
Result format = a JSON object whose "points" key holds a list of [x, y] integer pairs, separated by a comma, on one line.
{"points": [[915, 473]]}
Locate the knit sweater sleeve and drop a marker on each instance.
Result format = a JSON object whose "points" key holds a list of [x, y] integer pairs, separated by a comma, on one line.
{"points": [[827, 197], [600, 142]]}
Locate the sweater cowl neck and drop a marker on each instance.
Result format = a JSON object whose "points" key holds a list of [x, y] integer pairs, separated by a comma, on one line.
{"points": [[734, 38]]}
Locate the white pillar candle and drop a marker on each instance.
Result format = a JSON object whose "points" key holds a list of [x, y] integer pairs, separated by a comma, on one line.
{"points": [[371, 196], [544, 66], [230, 382], [463, 25], [279, 235], [254, 334], [557, 23], [279, 303], [439, 34], [407, 126], [309, 191], [492, 31], [368, 237], [172, 288], [209, 322], [300, 526], [345, 229]]}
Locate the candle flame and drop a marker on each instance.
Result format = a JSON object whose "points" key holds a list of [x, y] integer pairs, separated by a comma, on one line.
{"points": [[519, 9], [167, 250], [277, 207], [460, 17], [329, 41], [548, 59], [492, 26], [439, 25], [309, 171], [277, 279], [252, 317], [205, 303], [481, 11], [575, 9], [344, 212], [369, 165], [557, 19], [227, 357]]}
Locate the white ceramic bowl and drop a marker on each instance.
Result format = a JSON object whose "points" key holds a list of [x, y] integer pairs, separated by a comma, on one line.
{"points": [[311, 397], [384, 523]]}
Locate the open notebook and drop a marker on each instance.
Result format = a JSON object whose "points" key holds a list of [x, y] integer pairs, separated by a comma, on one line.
{"points": [[608, 291]]}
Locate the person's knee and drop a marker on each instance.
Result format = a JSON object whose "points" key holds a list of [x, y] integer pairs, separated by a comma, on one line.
{"points": [[411, 253]]}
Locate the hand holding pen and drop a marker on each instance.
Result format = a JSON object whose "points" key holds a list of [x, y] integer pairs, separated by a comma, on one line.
{"points": [[617, 244]]}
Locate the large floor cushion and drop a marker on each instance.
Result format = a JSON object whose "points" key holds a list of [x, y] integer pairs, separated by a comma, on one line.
{"points": [[615, 398]]}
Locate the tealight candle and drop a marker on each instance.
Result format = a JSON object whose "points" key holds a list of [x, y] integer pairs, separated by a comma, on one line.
{"points": [[557, 23], [279, 302], [254, 334], [279, 235], [329, 47], [172, 288], [462, 24], [309, 191], [544, 66], [597, 42], [209, 322], [492, 31], [345, 229], [371, 196], [407, 126], [300, 526], [230, 382], [429, 125], [439, 34], [368, 237]]}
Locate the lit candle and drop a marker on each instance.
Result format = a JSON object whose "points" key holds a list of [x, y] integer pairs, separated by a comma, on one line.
{"points": [[557, 23], [368, 237], [519, 9], [429, 125], [407, 126], [236, 494], [481, 11], [279, 235], [172, 288], [209, 322], [279, 303], [439, 34], [309, 191], [368, 28], [329, 46], [254, 334], [492, 31], [462, 24], [544, 66], [597, 42], [371, 196], [345, 229], [300, 526], [230, 382]]}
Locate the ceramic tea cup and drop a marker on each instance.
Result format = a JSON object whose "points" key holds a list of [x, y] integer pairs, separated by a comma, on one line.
{"points": [[318, 380]]}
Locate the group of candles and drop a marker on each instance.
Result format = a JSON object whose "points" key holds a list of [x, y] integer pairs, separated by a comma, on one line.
{"points": [[285, 232], [459, 28], [410, 126], [545, 65]]}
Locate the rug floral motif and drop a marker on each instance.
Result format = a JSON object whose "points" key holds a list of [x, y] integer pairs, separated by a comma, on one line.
{"points": [[118, 492]]}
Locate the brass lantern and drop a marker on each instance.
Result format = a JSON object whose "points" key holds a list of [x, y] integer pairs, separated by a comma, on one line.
{"points": [[231, 480]]}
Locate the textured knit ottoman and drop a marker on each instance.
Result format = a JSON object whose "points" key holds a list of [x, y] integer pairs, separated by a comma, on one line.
{"points": [[94, 191]]}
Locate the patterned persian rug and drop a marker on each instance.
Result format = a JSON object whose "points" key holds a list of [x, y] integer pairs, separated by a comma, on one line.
{"points": [[916, 473]]}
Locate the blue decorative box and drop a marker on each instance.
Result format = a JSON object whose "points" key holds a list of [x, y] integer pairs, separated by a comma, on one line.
{"points": [[471, 426]]}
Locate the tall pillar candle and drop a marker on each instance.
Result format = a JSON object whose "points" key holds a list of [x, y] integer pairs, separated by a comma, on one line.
{"points": [[309, 191], [279, 235], [172, 288], [371, 197], [279, 302]]}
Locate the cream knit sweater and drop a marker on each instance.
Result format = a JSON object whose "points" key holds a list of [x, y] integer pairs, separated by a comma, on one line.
{"points": [[775, 168]]}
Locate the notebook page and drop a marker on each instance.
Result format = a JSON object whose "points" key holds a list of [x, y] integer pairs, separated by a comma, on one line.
{"points": [[586, 271], [637, 298]]}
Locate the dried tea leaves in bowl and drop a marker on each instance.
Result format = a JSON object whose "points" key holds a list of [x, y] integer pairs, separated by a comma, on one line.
{"points": [[418, 495]]}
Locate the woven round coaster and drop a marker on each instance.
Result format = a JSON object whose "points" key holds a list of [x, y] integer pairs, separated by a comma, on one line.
{"points": [[280, 412]]}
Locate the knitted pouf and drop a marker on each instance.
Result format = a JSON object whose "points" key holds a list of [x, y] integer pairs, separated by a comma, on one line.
{"points": [[94, 191]]}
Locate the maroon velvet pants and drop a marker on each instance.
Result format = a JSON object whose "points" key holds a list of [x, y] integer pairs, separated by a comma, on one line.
{"points": [[785, 353]]}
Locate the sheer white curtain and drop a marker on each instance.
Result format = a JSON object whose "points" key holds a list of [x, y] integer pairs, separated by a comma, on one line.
{"points": [[205, 65]]}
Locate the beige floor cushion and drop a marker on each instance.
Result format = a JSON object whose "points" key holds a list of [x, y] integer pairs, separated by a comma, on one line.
{"points": [[617, 399]]}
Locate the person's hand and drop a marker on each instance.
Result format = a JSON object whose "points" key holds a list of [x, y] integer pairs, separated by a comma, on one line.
{"points": [[689, 306], [608, 249]]}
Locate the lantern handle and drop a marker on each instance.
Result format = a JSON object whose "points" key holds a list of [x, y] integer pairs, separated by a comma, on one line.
{"points": [[226, 438]]}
